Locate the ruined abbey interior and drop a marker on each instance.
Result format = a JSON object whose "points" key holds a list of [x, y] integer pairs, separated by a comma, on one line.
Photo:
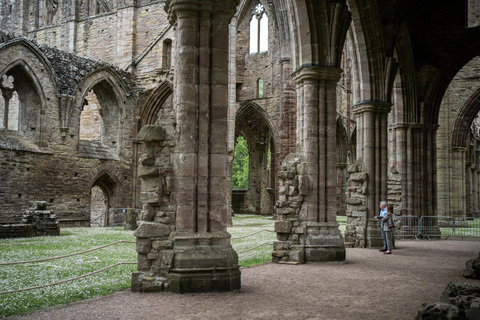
{"points": [[139, 104]]}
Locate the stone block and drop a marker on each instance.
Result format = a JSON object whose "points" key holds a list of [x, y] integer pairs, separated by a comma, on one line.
{"points": [[143, 245], [467, 305], [147, 160], [286, 175], [150, 197], [292, 191], [283, 211], [151, 230], [295, 204], [281, 204], [148, 212], [472, 268], [455, 288], [136, 283], [361, 176], [283, 226], [354, 201], [143, 263], [147, 171], [439, 310], [162, 244], [150, 133]]}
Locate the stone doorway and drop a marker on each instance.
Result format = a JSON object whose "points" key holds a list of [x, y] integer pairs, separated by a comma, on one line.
{"points": [[253, 169], [98, 207]]}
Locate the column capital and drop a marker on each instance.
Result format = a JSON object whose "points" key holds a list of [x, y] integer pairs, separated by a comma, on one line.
{"points": [[316, 72], [376, 107], [192, 8]]}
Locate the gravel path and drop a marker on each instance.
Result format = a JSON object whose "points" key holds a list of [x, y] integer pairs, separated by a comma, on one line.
{"points": [[416, 272]]}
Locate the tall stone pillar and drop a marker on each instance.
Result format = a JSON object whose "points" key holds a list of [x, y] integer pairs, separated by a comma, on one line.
{"points": [[401, 131], [373, 117], [458, 183], [474, 191], [194, 254], [306, 209], [469, 172], [341, 181]]}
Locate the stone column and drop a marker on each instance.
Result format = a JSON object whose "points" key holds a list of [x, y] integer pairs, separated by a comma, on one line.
{"points": [[373, 117], [458, 183], [401, 131], [474, 190], [469, 172], [341, 182], [318, 237], [201, 258]]}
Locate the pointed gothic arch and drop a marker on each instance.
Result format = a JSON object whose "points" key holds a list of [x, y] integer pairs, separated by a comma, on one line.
{"points": [[149, 111], [464, 119]]}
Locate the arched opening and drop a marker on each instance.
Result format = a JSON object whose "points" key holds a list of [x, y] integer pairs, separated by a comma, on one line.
{"points": [[104, 196], [260, 88], [253, 180], [98, 207], [91, 121], [100, 122], [21, 105], [258, 30], [240, 164], [457, 140]]}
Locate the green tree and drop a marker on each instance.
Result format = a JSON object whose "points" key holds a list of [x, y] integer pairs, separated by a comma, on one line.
{"points": [[240, 165]]}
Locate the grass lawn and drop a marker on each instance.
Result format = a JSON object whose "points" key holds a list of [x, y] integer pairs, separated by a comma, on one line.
{"points": [[72, 240]]}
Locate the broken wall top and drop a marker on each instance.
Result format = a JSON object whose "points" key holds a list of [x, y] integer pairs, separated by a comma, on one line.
{"points": [[69, 69]]}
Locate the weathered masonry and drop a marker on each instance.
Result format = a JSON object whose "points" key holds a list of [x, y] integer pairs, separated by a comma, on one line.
{"points": [[140, 104]]}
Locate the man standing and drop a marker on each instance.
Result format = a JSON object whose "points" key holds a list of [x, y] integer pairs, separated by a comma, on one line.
{"points": [[383, 212]]}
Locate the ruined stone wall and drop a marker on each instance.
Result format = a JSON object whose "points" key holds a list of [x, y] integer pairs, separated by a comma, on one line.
{"points": [[45, 159], [450, 180]]}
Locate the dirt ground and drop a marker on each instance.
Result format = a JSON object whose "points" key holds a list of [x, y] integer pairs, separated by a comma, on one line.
{"points": [[370, 285]]}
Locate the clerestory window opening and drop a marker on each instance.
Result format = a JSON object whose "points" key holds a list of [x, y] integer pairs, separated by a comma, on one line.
{"points": [[259, 30]]}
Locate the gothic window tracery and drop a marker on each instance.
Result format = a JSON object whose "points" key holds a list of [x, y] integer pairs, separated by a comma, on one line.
{"points": [[259, 30], [9, 104]]}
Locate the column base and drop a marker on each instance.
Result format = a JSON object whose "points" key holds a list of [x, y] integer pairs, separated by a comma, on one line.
{"points": [[374, 234], [198, 262], [310, 242]]}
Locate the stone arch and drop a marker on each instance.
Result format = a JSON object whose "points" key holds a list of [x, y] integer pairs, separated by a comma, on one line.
{"points": [[250, 109], [369, 50], [33, 102], [149, 111], [320, 32], [110, 184], [464, 119], [253, 123], [443, 77], [112, 95]]}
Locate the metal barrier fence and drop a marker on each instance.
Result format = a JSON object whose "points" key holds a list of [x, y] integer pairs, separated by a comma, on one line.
{"points": [[109, 218], [449, 227], [406, 226]]}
